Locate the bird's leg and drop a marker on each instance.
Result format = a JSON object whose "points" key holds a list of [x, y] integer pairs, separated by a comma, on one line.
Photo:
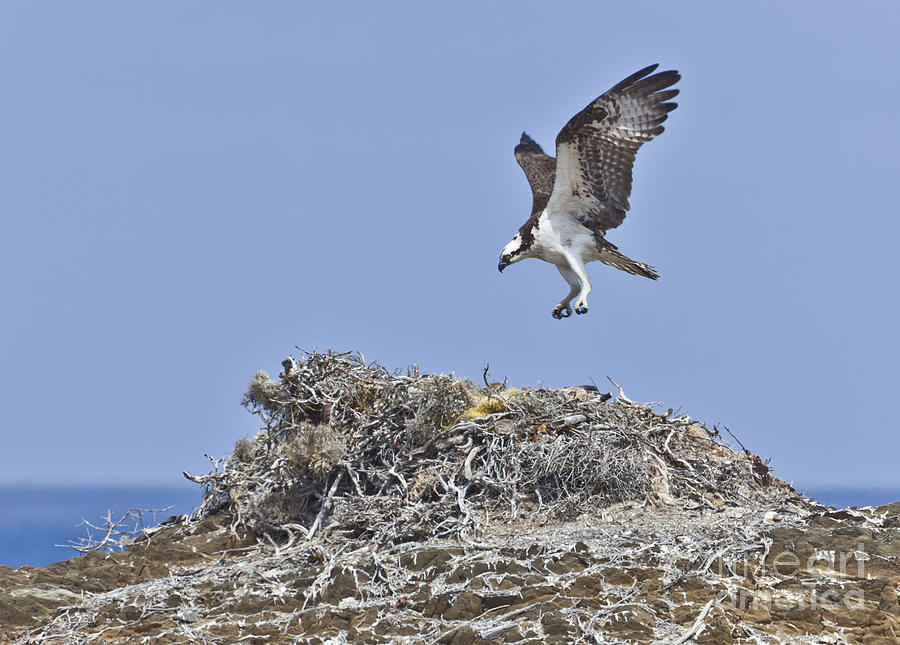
{"points": [[574, 288], [577, 267]]}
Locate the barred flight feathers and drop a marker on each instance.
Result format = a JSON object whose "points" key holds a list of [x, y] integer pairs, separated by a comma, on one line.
{"points": [[596, 149]]}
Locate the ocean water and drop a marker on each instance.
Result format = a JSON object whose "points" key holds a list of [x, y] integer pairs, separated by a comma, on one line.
{"points": [[852, 496], [33, 520]]}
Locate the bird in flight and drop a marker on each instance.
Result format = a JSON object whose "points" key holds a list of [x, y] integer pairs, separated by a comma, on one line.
{"points": [[584, 192]]}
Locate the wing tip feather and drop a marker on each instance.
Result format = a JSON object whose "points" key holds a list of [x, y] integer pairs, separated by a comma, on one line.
{"points": [[527, 144], [634, 78], [656, 83]]}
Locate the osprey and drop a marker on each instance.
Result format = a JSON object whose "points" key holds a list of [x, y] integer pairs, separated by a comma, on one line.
{"points": [[584, 192]]}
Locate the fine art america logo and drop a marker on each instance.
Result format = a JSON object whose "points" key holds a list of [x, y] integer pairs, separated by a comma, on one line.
{"points": [[820, 576]]}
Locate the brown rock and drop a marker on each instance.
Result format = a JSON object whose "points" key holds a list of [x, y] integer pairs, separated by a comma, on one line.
{"points": [[251, 604], [631, 623], [510, 582], [490, 601], [421, 596], [11, 615], [555, 624], [437, 605], [467, 572], [887, 600], [587, 585], [464, 635], [717, 631], [509, 567], [568, 563], [749, 607], [538, 593], [428, 558], [805, 619], [615, 576], [466, 606], [342, 585]]}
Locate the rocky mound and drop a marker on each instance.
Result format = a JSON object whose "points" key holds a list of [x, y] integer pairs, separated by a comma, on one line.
{"points": [[378, 507]]}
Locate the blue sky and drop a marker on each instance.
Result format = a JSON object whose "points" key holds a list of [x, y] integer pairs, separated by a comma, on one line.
{"points": [[189, 190]]}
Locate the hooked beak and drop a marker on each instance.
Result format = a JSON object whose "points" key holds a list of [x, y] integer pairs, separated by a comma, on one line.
{"points": [[503, 264]]}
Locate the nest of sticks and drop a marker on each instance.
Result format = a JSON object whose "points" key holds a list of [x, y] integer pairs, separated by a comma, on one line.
{"points": [[358, 452]]}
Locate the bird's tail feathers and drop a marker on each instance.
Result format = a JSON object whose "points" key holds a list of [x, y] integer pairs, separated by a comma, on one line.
{"points": [[615, 258]]}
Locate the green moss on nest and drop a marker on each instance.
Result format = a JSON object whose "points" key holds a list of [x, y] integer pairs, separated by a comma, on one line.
{"points": [[262, 392]]}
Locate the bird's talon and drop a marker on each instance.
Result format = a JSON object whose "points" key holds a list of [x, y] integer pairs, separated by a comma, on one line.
{"points": [[581, 310], [561, 312]]}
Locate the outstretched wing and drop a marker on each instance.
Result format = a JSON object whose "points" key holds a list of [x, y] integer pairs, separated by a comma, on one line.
{"points": [[540, 169], [596, 149]]}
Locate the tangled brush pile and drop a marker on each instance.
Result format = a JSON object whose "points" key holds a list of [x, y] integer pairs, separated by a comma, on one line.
{"points": [[354, 450]]}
